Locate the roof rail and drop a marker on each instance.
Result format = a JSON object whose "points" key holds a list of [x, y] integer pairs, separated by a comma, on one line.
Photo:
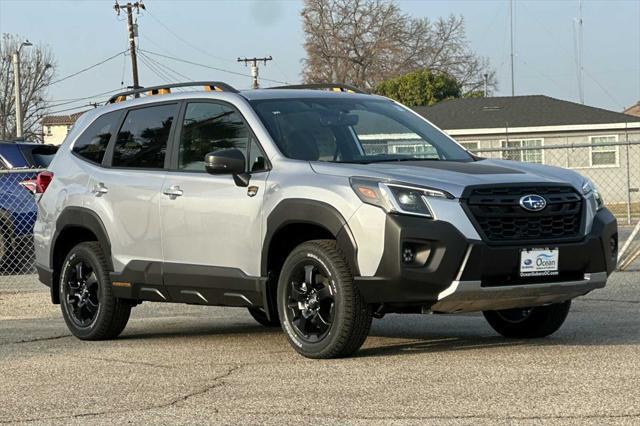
{"points": [[336, 87], [209, 86]]}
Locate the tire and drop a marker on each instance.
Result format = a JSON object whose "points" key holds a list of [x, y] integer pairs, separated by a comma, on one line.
{"points": [[327, 318], [90, 310], [529, 323], [259, 315]]}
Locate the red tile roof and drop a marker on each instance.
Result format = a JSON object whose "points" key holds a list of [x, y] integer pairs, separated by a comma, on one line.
{"points": [[61, 120]]}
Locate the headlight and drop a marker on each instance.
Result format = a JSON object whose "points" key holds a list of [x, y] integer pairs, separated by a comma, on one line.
{"points": [[587, 188], [396, 197]]}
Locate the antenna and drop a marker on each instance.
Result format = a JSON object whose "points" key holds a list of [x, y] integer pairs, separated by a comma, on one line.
{"points": [[578, 48], [513, 85]]}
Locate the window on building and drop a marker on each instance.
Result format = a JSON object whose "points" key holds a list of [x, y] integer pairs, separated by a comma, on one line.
{"points": [[142, 139], [528, 155], [470, 146], [603, 155]]}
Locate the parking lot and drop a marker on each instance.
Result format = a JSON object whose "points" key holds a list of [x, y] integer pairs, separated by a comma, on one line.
{"points": [[189, 364]]}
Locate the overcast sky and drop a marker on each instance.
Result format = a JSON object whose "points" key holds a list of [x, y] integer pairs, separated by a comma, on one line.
{"points": [[214, 33]]}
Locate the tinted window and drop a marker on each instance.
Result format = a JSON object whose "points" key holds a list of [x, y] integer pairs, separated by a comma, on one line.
{"points": [[142, 139], [209, 127], [39, 156], [257, 159], [92, 144]]}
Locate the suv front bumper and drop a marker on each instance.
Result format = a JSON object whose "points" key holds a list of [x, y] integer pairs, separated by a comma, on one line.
{"points": [[462, 275]]}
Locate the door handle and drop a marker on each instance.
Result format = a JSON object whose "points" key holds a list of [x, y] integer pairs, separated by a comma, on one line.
{"points": [[173, 192], [99, 189]]}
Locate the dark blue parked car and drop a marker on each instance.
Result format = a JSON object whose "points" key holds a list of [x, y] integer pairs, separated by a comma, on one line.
{"points": [[17, 203]]}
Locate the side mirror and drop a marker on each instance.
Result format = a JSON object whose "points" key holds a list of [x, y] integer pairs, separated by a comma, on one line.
{"points": [[225, 162], [228, 162]]}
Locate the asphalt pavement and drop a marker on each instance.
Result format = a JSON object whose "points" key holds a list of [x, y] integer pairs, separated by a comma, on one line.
{"points": [[177, 364]]}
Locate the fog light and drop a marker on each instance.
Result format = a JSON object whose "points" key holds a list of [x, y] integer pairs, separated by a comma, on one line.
{"points": [[408, 255]]}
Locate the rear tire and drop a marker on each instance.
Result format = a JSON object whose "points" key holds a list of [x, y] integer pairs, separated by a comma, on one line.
{"points": [[86, 298], [259, 315], [529, 323], [322, 312]]}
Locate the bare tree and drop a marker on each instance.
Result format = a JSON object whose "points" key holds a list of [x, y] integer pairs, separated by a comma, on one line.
{"points": [[36, 72], [364, 42]]}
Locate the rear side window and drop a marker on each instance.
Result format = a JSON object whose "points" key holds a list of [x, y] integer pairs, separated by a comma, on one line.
{"points": [[142, 139], [92, 144]]}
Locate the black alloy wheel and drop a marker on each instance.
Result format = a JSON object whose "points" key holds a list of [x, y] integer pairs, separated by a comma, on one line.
{"points": [[88, 305], [321, 311], [310, 301], [81, 293]]}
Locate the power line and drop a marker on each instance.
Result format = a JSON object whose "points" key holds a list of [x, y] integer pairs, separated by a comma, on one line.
{"points": [[166, 67], [74, 100], [208, 66], [163, 77], [87, 68], [68, 109], [186, 42]]}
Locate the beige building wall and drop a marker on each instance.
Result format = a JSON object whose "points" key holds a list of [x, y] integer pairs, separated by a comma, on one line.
{"points": [[55, 134], [618, 177]]}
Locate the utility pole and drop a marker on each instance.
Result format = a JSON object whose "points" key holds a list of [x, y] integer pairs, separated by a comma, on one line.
{"points": [[133, 32], [513, 85], [16, 82], [254, 67]]}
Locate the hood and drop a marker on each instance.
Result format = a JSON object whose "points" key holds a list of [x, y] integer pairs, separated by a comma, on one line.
{"points": [[454, 176]]}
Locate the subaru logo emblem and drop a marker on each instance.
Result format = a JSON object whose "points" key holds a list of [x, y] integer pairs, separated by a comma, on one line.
{"points": [[533, 203]]}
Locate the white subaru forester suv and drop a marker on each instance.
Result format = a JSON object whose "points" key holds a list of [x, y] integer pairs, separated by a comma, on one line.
{"points": [[316, 209]]}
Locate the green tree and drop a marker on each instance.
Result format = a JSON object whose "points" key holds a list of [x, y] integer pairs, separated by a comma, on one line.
{"points": [[421, 87]]}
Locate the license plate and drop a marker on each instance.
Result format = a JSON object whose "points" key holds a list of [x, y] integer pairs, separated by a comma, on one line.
{"points": [[539, 262]]}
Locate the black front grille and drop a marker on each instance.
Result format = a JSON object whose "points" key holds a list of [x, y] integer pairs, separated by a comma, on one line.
{"points": [[497, 213]]}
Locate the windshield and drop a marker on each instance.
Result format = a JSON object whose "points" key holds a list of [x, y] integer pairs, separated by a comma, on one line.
{"points": [[38, 156], [353, 131]]}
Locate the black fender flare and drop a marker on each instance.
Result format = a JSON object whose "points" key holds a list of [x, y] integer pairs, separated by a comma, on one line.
{"points": [[306, 211], [80, 217]]}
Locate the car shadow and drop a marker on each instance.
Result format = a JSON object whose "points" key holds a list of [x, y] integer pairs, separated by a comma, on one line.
{"points": [[189, 330], [408, 334]]}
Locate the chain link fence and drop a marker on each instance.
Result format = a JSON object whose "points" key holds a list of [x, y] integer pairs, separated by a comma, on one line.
{"points": [[18, 212], [614, 167]]}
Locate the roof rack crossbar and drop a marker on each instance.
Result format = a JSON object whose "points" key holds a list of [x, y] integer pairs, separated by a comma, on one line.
{"points": [[217, 86], [340, 87]]}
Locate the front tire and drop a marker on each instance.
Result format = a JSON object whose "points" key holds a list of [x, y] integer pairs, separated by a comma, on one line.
{"points": [[86, 299], [260, 316], [322, 312], [528, 323]]}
